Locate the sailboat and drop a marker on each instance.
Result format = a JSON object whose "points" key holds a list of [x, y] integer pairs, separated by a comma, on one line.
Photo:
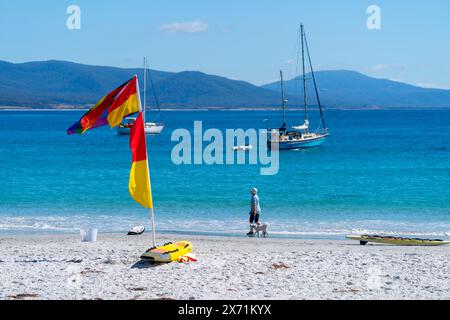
{"points": [[299, 136], [149, 127]]}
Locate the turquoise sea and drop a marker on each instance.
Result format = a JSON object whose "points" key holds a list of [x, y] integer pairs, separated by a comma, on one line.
{"points": [[380, 171]]}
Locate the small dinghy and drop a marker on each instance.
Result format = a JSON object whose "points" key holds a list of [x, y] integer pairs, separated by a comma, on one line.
{"points": [[135, 231], [243, 148]]}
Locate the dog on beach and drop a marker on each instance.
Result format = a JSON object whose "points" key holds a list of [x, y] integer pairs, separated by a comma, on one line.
{"points": [[259, 229]]}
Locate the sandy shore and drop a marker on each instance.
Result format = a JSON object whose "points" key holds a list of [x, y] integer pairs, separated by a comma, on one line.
{"points": [[61, 267]]}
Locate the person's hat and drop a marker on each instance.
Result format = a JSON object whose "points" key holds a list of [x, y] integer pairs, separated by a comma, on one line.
{"points": [[254, 190]]}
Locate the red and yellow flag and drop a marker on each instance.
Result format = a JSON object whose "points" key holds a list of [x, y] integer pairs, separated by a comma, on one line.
{"points": [[139, 186], [126, 103], [111, 109]]}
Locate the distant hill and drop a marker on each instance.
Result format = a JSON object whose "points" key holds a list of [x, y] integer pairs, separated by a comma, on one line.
{"points": [[354, 90], [60, 83], [199, 89], [50, 83], [57, 82]]}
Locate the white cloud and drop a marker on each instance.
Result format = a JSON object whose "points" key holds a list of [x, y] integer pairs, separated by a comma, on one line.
{"points": [[290, 61], [190, 27], [379, 67], [392, 66]]}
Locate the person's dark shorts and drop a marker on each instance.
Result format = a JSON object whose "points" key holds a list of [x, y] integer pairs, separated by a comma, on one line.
{"points": [[254, 218]]}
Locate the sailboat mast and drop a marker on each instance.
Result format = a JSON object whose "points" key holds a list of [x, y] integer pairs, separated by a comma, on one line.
{"points": [[304, 75], [283, 100], [315, 84], [145, 88]]}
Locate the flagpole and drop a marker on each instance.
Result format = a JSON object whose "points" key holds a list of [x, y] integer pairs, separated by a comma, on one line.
{"points": [[152, 213]]}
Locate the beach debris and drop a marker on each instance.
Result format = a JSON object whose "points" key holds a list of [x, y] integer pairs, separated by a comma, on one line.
{"points": [[137, 289], [109, 260], [75, 261], [34, 261], [280, 265], [22, 296], [346, 291], [89, 271]]}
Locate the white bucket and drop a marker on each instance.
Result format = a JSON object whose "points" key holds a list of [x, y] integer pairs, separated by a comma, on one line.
{"points": [[89, 235]]}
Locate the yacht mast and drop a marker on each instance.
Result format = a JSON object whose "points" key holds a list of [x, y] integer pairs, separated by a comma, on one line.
{"points": [[304, 75], [145, 89], [315, 85], [283, 100]]}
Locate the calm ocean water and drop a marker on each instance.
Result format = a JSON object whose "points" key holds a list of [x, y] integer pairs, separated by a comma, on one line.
{"points": [[381, 171]]}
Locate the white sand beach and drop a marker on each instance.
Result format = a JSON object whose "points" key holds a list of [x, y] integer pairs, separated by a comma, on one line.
{"points": [[61, 267]]}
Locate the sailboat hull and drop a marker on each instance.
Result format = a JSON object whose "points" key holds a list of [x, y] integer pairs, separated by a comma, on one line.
{"points": [[149, 129], [302, 143], [153, 129]]}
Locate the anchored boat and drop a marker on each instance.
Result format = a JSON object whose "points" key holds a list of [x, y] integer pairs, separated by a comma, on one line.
{"points": [[299, 136], [149, 127]]}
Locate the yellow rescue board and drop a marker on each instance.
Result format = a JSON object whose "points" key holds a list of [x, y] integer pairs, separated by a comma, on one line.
{"points": [[364, 239], [168, 252]]}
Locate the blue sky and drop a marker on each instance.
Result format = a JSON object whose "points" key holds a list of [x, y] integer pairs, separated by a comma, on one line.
{"points": [[246, 40]]}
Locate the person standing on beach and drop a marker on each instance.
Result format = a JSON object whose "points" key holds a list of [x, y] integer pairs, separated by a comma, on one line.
{"points": [[255, 209]]}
